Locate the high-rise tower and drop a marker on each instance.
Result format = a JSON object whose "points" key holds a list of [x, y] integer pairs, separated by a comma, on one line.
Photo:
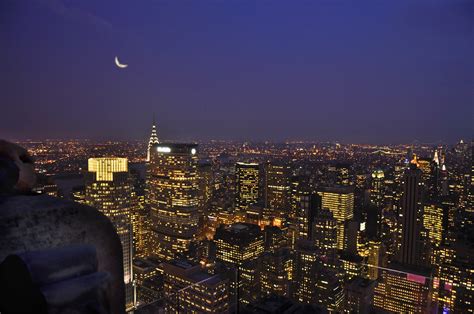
{"points": [[247, 185], [172, 181], [153, 139], [340, 201], [410, 217], [277, 187], [109, 189], [377, 188]]}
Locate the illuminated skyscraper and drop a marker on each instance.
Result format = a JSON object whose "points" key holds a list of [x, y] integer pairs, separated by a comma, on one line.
{"points": [[403, 290], [471, 184], [276, 273], [238, 243], [148, 280], [306, 269], [352, 265], [109, 189], [405, 286], [309, 204], [434, 221], [377, 188], [153, 140], [238, 246], [463, 270], [429, 175], [247, 185], [313, 282], [411, 248], [173, 198], [340, 201], [325, 233], [140, 215], [205, 181], [376, 259], [277, 194]]}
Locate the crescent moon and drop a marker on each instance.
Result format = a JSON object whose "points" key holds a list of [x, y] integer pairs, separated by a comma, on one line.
{"points": [[120, 65]]}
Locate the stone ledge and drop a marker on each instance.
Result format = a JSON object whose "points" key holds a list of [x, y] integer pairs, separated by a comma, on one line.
{"points": [[30, 222]]}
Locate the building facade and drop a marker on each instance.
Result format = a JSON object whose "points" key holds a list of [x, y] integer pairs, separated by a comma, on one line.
{"points": [[340, 201], [172, 184], [108, 188], [247, 192], [188, 289]]}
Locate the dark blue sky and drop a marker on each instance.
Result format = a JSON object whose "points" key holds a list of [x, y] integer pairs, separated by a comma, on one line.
{"points": [[354, 71]]}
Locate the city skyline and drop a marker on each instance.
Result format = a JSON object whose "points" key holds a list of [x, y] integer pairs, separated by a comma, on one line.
{"points": [[228, 227], [236, 156], [373, 72]]}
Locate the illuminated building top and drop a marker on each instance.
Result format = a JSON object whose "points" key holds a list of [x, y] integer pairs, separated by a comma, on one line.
{"points": [[153, 139], [105, 167]]}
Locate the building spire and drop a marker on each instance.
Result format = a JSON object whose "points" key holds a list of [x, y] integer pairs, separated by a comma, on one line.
{"points": [[435, 157], [153, 138]]}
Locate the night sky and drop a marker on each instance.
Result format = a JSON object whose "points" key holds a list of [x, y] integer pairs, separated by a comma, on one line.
{"points": [[353, 71]]}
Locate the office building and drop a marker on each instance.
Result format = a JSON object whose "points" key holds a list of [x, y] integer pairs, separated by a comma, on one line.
{"points": [[148, 281], [403, 289], [325, 233], [313, 282], [434, 221], [411, 248], [360, 295], [308, 206], [188, 289], [238, 246], [352, 265], [376, 259], [377, 188], [340, 201], [109, 189], [172, 184], [205, 184], [277, 186], [276, 272], [247, 192]]}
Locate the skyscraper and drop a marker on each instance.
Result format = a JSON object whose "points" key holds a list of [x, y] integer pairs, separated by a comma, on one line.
{"points": [[153, 140], [340, 201], [205, 182], [434, 221], [277, 187], [109, 189], [238, 243], [403, 290], [375, 259], [173, 198], [238, 246], [276, 273], [404, 287], [313, 282], [247, 185], [410, 218], [377, 188], [325, 233], [309, 204]]}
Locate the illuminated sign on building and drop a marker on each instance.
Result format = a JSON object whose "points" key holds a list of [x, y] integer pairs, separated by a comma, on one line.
{"points": [[163, 149]]}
